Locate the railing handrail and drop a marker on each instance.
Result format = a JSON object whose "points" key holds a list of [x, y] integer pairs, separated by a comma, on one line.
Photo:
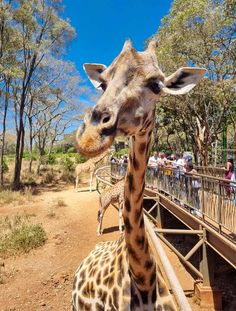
{"points": [[175, 169]]}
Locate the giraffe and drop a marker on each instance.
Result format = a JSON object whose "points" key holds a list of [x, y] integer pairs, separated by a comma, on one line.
{"points": [[88, 166], [111, 195], [123, 275]]}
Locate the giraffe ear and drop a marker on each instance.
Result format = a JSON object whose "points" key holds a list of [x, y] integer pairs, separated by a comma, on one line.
{"points": [[183, 80], [93, 72]]}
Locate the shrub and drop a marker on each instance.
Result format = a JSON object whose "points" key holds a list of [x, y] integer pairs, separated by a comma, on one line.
{"points": [[17, 235], [67, 164], [60, 203], [68, 177], [48, 178], [26, 156], [52, 159], [5, 166], [121, 152], [71, 150], [79, 159], [23, 239]]}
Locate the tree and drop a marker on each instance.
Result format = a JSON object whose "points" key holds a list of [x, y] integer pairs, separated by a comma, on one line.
{"points": [[8, 67], [200, 33], [41, 32]]}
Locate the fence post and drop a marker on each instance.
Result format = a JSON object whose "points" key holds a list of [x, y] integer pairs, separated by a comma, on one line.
{"points": [[219, 207], [207, 263], [159, 212]]}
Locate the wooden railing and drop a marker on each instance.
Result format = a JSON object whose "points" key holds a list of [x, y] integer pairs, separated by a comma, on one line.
{"points": [[210, 198]]}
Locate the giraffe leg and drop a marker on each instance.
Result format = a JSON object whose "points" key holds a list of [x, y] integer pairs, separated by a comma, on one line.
{"points": [[76, 183], [90, 182], [100, 218]]}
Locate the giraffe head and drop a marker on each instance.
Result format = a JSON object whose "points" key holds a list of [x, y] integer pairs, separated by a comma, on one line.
{"points": [[130, 86]]}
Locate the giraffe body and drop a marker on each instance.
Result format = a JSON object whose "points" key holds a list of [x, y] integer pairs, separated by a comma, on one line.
{"points": [[88, 166], [123, 275], [115, 194], [116, 289]]}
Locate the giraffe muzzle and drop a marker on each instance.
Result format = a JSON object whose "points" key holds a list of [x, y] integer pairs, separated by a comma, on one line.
{"points": [[97, 133]]}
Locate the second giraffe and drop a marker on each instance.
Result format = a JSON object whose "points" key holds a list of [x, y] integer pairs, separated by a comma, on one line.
{"points": [[110, 196]]}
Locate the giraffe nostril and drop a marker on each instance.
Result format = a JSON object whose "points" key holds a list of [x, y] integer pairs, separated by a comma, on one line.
{"points": [[106, 119]]}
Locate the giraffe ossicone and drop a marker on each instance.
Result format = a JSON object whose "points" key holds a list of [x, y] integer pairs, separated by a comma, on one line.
{"points": [[123, 275]]}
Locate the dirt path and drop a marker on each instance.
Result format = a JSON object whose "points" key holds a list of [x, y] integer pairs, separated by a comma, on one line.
{"points": [[42, 279]]}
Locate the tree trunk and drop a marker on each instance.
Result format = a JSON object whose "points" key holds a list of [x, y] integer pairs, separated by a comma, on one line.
{"points": [[20, 138], [30, 145], [4, 134], [18, 160], [39, 165]]}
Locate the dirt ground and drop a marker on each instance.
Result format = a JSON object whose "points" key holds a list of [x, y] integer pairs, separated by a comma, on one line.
{"points": [[42, 279]]}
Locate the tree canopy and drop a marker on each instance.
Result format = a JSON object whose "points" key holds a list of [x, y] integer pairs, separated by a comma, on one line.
{"points": [[200, 33]]}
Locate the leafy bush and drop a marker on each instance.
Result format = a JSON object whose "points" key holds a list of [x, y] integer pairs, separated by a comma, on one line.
{"points": [[23, 239], [52, 159], [71, 150], [5, 166], [67, 164], [121, 152], [26, 156], [79, 159]]}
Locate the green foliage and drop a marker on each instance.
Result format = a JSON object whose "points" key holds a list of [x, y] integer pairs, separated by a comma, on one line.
{"points": [[52, 159], [71, 150], [26, 155], [121, 152], [5, 166], [67, 164], [197, 33], [79, 158]]}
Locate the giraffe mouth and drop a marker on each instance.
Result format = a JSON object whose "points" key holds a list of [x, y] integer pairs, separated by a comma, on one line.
{"points": [[92, 141]]}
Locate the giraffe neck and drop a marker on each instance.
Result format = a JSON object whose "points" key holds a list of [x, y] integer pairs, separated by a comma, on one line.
{"points": [[98, 158], [141, 265]]}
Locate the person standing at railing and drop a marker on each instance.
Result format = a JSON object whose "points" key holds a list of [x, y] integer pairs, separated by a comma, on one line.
{"points": [[233, 186], [153, 166], [161, 159], [178, 164], [195, 185], [229, 170], [121, 166]]}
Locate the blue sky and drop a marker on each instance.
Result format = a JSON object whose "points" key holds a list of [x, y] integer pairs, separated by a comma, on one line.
{"points": [[102, 26]]}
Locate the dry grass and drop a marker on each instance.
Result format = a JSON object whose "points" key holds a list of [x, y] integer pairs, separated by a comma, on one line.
{"points": [[18, 235], [8, 197], [51, 214], [60, 203]]}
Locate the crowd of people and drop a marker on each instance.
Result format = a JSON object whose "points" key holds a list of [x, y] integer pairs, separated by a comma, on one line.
{"points": [[180, 168]]}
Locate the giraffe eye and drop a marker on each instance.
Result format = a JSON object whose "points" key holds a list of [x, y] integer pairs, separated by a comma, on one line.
{"points": [[103, 86], [154, 86]]}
